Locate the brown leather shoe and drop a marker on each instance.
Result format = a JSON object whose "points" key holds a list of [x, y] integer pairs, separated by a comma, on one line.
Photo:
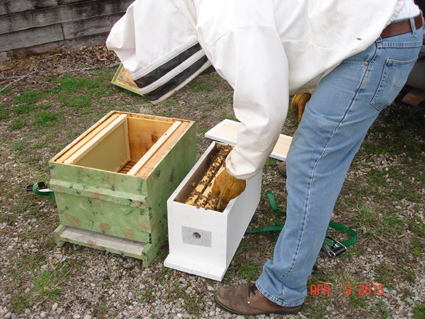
{"points": [[246, 299], [282, 169]]}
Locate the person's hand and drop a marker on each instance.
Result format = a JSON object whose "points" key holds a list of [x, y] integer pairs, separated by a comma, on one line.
{"points": [[227, 187], [298, 105]]}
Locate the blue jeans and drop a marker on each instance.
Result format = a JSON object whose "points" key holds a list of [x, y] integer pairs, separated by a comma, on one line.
{"points": [[333, 126]]}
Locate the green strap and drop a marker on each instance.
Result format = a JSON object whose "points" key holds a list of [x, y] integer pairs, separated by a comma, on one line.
{"points": [[273, 204], [277, 227], [352, 240], [42, 191]]}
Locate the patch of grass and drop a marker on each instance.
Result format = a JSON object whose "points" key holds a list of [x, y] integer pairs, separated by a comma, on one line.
{"points": [[4, 114], [370, 148], [201, 85], [392, 133], [148, 295], [385, 275], [28, 98], [417, 226], [417, 247], [17, 125], [217, 99], [104, 74], [31, 261], [44, 106], [227, 113], [388, 274], [23, 109], [356, 300], [393, 223], [382, 309], [8, 218], [78, 102], [403, 186], [49, 283], [419, 311], [100, 310], [68, 84], [19, 145], [45, 119], [316, 310], [406, 273], [79, 92], [50, 242], [365, 217], [250, 272], [20, 301], [5, 91]]}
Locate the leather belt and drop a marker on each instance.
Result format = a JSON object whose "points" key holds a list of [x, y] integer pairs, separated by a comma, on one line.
{"points": [[401, 27]]}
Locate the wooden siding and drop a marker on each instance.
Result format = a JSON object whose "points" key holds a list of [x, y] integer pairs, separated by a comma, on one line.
{"points": [[41, 25]]}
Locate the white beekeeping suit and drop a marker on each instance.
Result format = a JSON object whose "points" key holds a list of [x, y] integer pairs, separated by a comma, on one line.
{"points": [[266, 50], [158, 45]]}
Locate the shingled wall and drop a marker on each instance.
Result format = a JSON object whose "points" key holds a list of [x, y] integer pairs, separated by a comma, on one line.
{"points": [[42, 25]]}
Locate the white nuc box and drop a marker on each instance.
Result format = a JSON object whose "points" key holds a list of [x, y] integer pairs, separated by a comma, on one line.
{"points": [[202, 241]]}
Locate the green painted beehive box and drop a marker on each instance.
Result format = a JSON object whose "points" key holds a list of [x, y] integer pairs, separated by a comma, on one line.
{"points": [[112, 183]]}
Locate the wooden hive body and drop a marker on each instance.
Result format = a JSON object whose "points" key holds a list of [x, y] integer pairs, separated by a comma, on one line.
{"points": [[202, 241], [112, 183]]}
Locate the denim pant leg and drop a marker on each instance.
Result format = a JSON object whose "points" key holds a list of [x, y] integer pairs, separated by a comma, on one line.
{"points": [[334, 124]]}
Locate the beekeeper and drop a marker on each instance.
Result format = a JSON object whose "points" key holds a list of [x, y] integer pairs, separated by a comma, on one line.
{"points": [[354, 55]]}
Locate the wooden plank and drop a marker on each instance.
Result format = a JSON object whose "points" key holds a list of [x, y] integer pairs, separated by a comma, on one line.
{"points": [[26, 5], [226, 129], [154, 148], [146, 169], [107, 155], [143, 133], [91, 26], [78, 235], [128, 165], [86, 41], [71, 44], [31, 37], [122, 166], [126, 140], [80, 153], [87, 136], [3, 9], [281, 148], [62, 2], [60, 14], [227, 132], [414, 97], [154, 118]]}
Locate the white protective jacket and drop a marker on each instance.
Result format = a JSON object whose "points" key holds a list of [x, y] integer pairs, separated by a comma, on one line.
{"points": [[266, 50]]}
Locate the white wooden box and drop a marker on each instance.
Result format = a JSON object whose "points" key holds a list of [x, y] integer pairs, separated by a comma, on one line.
{"points": [[227, 132], [203, 242]]}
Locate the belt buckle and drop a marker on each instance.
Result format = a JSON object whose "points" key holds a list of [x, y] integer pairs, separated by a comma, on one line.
{"points": [[336, 249]]}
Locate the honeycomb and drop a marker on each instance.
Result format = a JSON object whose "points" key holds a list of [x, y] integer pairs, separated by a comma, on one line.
{"points": [[201, 195]]}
